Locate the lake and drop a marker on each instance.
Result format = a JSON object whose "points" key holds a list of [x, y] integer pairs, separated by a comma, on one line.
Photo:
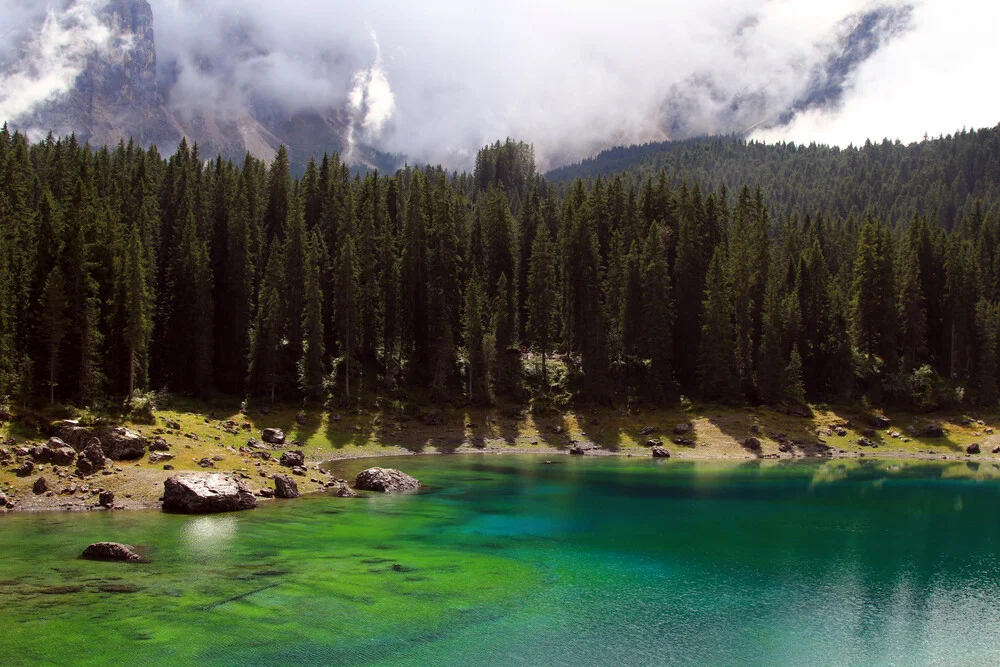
{"points": [[509, 560]]}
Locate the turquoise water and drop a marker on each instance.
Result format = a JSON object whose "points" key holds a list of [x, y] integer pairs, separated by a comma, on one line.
{"points": [[505, 560]]}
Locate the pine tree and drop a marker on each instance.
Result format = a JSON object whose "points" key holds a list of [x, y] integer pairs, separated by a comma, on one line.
{"points": [[541, 298], [311, 372], [54, 325], [477, 374], [716, 364], [346, 308], [507, 362], [136, 298], [266, 338], [658, 316]]}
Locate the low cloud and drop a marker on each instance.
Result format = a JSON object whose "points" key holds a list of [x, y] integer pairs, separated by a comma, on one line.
{"points": [[436, 80]]}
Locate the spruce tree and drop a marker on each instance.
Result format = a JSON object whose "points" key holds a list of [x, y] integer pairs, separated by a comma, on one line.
{"points": [[541, 299], [477, 373], [54, 325], [346, 308], [716, 363], [136, 298], [311, 371]]}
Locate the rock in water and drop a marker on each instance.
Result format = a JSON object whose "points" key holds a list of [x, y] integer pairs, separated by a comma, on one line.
{"points": [[112, 551], [660, 453], [204, 493], [386, 480], [273, 436], [346, 492], [292, 459], [285, 487]]}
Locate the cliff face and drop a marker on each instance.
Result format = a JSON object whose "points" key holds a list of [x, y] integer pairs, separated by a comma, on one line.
{"points": [[117, 96]]}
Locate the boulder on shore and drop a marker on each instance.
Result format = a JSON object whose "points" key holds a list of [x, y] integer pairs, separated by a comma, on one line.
{"points": [[973, 448], [577, 450], [120, 444], [106, 499], [112, 551], [293, 459], [40, 486], [661, 453], [285, 487], [5, 501], [205, 493], [752, 444], [273, 436], [386, 480], [55, 452], [682, 429]]}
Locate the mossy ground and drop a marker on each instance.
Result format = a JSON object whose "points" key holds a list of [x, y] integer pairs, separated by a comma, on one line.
{"points": [[718, 433]]}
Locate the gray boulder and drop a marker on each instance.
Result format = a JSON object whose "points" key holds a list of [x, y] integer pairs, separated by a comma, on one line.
{"points": [[4, 500], [204, 493], [25, 469], [752, 444], [112, 551], [285, 487], [273, 436], [55, 452], [159, 445], [346, 492], [40, 486], [121, 444], [293, 459], [648, 430], [106, 499], [973, 448], [660, 453], [682, 429], [385, 480]]}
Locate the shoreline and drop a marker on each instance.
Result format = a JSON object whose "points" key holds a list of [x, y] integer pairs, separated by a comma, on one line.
{"points": [[62, 505]]}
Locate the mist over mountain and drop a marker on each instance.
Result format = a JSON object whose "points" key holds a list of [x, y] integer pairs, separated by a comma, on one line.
{"points": [[433, 82]]}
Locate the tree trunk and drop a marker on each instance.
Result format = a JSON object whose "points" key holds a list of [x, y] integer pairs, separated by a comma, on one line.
{"points": [[545, 375], [131, 373]]}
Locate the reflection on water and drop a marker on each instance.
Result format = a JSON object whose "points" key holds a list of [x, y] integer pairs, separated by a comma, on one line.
{"points": [[506, 560], [210, 536]]}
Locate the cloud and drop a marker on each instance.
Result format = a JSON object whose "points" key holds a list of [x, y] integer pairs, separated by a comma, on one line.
{"points": [[445, 77], [935, 79], [48, 61]]}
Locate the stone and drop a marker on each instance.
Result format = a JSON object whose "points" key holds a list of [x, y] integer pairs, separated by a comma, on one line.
{"points": [[25, 469], [346, 492], [880, 421], [273, 436], [686, 442], [292, 459], [752, 444], [5, 501], [206, 463], [285, 487], [996, 450], [973, 448], [682, 429], [55, 452], [840, 431], [173, 424], [121, 444], [112, 551], [159, 445], [40, 486], [577, 450], [160, 457], [932, 431], [266, 493], [106, 499], [299, 470], [648, 430], [204, 493], [866, 442], [385, 480], [660, 453], [653, 443], [167, 466], [300, 419]]}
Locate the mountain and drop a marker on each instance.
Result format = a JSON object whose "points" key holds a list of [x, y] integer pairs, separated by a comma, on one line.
{"points": [[118, 93]]}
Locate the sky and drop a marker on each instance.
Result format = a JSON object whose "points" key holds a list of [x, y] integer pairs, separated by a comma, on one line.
{"points": [[437, 79]]}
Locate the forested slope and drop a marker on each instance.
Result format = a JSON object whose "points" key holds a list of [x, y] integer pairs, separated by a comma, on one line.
{"points": [[122, 270], [940, 179]]}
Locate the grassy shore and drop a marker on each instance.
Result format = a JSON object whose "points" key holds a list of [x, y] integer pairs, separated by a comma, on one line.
{"points": [[716, 433]]}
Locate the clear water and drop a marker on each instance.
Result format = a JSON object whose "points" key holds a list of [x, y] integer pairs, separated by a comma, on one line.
{"points": [[509, 561]]}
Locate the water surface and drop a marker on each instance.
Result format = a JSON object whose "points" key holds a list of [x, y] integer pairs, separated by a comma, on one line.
{"points": [[510, 560]]}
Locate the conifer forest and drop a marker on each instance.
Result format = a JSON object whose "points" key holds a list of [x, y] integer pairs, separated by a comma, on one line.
{"points": [[712, 269]]}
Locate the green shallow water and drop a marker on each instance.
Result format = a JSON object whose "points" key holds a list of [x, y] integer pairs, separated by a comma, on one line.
{"points": [[504, 560]]}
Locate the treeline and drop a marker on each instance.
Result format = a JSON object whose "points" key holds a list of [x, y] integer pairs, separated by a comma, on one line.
{"points": [[121, 270], [939, 179]]}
